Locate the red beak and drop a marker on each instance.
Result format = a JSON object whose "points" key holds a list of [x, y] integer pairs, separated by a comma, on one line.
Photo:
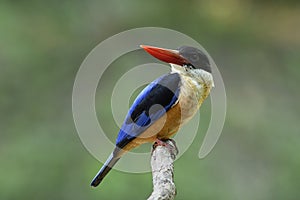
{"points": [[166, 55]]}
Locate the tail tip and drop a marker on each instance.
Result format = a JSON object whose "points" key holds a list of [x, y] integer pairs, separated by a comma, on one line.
{"points": [[95, 183]]}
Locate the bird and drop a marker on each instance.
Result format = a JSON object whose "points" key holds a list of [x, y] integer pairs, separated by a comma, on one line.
{"points": [[165, 104]]}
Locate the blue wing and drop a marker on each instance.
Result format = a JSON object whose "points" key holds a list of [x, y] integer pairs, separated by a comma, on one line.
{"points": [[150, 105]]}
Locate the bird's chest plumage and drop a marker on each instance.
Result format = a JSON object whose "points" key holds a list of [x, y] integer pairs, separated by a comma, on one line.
{"points": [[192, 94]]}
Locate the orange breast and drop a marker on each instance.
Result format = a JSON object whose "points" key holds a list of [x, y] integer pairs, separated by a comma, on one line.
{"points": [[163, 128]]}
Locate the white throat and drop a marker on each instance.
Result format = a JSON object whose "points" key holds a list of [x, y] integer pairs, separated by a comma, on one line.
{"points": [[199, 75]]}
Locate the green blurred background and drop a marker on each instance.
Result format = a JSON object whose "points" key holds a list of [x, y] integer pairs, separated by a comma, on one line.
{"points": [[256, 45]]}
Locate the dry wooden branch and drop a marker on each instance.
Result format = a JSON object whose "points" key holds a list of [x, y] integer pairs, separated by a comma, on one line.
{"points": [[162, 171]]}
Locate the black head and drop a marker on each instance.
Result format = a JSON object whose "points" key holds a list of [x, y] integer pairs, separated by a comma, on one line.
{"points": [[195, 57]]}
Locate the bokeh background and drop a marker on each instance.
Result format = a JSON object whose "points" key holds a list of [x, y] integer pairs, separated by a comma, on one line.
{"points": [[256, 45]]}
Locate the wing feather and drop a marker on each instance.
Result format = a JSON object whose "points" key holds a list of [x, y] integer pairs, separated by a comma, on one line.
{"points": [[150, 105]]}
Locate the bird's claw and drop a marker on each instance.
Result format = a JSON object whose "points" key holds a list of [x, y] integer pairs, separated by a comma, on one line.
{"points": [[169, 143]]}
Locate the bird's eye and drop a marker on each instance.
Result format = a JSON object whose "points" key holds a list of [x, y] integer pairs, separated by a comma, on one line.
{"points": [[194, 57]]}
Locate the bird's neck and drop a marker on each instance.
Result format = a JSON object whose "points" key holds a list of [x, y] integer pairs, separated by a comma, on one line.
{"points": [[195, 81], [198, 75]]}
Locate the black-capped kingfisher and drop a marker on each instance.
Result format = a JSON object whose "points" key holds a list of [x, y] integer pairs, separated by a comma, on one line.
{"points": [[165, 104]]}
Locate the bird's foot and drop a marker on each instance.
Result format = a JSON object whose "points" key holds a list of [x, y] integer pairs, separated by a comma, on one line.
{"points": [[159, 142], [169, 143]]}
